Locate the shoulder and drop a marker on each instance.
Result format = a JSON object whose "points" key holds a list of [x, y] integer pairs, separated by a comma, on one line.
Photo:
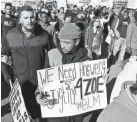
{"points": [[40, 31], [12, 32], [54, 52], [55, 57], [110, 113]]}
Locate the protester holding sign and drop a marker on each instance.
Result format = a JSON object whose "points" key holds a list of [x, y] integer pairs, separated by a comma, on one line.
{"points": [[28, 43], [68, 52]]}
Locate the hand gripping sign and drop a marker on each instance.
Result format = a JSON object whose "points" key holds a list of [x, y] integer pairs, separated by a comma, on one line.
{"points": [[77, 88], [17, 104]]}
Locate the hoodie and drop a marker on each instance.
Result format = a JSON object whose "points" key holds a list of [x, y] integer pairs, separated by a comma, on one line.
{"points": [[28, 54], [123, 109], [127, 74]]}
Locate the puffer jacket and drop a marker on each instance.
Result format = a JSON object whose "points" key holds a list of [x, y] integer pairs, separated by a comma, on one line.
{"points": [[28, 54]]}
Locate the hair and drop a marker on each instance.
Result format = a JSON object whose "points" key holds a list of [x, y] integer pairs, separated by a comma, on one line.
{"points": [[8, 4], [43, 13], [62, 8], [104, 7], [25, 8], [126, 11], [41, 2], [75, 6], [97, 12]]}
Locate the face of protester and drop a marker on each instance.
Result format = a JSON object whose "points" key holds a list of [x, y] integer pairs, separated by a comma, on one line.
{"points": [[67, 45], [92, 13], [104, 10], [53, 14], [125, 15], [27, 20], [75, 8], [61, 10], [8, 10], [131, 14], [68, 19], [96, 23], [117, 10], [132, 20], [44, 18]]}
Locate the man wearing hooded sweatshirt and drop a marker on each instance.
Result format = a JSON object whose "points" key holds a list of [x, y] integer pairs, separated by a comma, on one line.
{"points": [[70, 50], [124, 107], [27, 45]]}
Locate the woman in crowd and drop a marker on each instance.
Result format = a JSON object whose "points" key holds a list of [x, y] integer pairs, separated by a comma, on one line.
{"points": [[131, 39]]}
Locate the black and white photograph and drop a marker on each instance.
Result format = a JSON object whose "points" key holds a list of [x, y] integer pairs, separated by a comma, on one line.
{"points": [[68, 60]]}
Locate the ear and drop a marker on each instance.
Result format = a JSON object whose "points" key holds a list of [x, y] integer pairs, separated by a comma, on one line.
{"points": [[77, 42]]}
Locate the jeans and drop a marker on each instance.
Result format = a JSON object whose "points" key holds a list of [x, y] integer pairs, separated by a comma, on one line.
{"points": [[120, 44]]}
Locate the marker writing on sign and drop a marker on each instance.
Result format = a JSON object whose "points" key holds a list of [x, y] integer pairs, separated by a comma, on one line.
{"points": [[48, 74], [67, 95], [92, 69], [93, 84], [15, 102], [67, 73]]}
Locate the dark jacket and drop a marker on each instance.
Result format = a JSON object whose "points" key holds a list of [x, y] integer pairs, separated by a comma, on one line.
{"points": [[59, 24], [123, 27], [7, 24], [28, 54]]}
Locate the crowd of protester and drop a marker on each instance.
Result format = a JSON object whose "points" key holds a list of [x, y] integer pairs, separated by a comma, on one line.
{"points": [[34, 39]]}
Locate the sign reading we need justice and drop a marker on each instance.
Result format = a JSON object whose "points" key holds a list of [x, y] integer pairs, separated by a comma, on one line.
{"points": [[77, 88]]}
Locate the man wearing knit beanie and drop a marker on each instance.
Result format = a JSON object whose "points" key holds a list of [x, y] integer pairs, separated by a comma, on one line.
{"points": [[70, 44], [70, 50]]}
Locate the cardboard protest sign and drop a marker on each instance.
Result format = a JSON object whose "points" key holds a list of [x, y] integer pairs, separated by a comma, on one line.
{"points": [[107, 3], [18, 109], [77, 88], [132, 4]]}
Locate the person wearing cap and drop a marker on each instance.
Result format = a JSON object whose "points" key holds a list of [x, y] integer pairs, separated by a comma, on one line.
{"points": [[70, 50], [124, 107]]}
